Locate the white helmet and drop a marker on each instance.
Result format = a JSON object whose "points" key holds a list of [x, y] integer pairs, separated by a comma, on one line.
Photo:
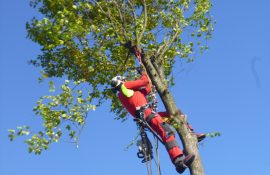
{"points": [[116, 81]]}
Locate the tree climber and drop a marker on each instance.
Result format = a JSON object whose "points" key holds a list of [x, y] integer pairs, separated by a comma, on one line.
{"points": [[132, 95]]}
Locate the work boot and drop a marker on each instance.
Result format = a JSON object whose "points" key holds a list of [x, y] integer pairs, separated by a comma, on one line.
{"points": [[200, 137], [182, 162]]}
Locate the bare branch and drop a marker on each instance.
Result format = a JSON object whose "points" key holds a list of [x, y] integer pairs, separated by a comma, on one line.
{"points": [[164, 47], [170, 41], [123, 23], [134, 20], [108, 15], [145, 21]]}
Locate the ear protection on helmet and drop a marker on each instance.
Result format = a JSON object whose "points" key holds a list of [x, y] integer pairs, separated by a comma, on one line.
{"points": [[117, 81]]}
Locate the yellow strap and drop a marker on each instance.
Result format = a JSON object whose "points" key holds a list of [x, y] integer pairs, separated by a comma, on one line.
{"points": [[127, 92]]}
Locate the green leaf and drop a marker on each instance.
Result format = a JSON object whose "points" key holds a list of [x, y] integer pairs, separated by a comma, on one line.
{"points": [[68, 127], [72, 134], [51, 86], [214, 134], [11, 135]]}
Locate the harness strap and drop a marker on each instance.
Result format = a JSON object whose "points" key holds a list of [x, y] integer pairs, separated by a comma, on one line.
{"points": [[140, 111], [150, 117]]}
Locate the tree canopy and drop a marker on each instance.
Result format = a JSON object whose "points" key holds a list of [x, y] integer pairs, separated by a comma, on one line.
{"points": [[83, 41]]}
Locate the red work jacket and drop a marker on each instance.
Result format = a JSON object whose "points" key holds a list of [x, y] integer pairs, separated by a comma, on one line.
{"points": [[141, 89]]}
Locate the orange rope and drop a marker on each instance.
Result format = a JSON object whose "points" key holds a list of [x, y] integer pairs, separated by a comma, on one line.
{"points": [[138, 55]]}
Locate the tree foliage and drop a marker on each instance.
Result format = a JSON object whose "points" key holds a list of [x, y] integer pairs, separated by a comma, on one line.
{"points": [[82, 41]]}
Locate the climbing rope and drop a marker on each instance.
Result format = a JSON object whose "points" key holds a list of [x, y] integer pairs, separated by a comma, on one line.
{"points": [[145, 146], [140, 122], [145, 150], [152, 94], [138, 54], [157, 156]]}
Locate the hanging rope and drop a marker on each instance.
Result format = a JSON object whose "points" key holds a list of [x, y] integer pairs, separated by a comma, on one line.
{"points": [[145, 146], [157, 156], [139, 55], [149, 167]]}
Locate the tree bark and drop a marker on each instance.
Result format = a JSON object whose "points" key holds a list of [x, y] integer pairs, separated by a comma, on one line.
{"points": [[189, 140]]}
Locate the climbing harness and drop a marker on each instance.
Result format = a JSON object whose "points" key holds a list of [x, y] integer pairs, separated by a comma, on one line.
{"points": [[145, 123], [153, 99]]}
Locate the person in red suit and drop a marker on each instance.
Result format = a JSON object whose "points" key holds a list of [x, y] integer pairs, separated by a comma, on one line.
{"points": [[132, 95]]}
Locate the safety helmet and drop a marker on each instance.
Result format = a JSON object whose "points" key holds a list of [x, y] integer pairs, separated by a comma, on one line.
{"points": [[116, 81]]}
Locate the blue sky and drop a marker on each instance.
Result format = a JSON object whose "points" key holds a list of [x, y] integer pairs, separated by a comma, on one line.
{"points": [[226, 90]]}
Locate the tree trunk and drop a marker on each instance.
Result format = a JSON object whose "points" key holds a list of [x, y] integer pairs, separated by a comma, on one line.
{"points": [[188, 139]]}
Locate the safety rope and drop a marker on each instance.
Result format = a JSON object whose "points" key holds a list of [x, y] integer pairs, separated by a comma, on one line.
{"points": [[152, 94], [153, 105], [145, 148], [138, 53], [149, 167], [157, 156], [147, 153]]}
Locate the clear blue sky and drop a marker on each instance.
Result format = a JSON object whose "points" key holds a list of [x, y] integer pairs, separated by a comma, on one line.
{"points": [[226, 90]]}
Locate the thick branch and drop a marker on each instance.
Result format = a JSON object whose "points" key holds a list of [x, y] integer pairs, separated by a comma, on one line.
{"points": [[159, 69], [161, 87], [188, 139]]}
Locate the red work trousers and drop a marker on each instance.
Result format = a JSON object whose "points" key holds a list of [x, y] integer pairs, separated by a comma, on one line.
{"points": [[158, 126]]}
